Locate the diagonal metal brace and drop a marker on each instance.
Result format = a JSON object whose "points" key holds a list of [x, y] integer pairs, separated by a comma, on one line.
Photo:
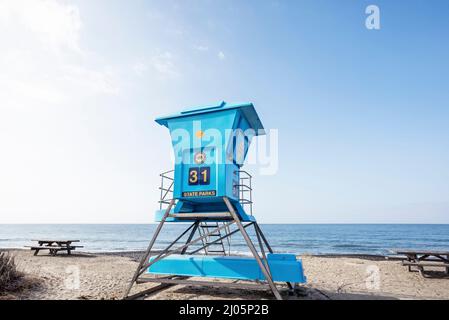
{"points": [[167, 253]]}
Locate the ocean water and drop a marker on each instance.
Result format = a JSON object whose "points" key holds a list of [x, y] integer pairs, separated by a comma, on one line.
{"points": [[293, 238]]}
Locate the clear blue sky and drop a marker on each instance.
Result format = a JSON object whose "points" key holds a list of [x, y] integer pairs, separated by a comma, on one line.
{"points": [[363, 115]]}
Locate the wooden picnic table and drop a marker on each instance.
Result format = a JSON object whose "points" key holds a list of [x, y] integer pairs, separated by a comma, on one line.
{"points": [[54, 246], [425, 258]]}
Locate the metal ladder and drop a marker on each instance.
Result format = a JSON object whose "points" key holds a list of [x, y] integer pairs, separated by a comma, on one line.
{"points": [[217, 248]]}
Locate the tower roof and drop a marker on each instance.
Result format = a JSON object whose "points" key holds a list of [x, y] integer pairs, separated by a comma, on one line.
{"points": [[247, 109]]}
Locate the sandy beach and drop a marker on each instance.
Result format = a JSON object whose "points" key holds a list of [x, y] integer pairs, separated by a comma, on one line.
{"points": [[105, 276]]}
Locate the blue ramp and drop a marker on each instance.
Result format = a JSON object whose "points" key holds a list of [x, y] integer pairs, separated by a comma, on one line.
{"points": [[283, 267]]}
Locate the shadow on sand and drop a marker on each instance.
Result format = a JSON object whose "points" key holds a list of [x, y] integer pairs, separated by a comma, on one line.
{"points": [[67, 256], [191, 292]]}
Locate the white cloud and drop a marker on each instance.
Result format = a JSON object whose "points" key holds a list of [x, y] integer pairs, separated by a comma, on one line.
{"points": [[166, 23], [41, 56], [221, 55], [53, 23], [140, 68], [163, 63], [96, 81], [202, 48]]}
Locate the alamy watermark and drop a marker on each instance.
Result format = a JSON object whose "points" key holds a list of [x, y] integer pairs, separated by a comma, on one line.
{"points": [[72, 281], [372, 281], [230, 146], [372, 21]]}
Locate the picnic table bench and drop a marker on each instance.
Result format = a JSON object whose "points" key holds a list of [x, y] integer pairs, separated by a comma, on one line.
{"points": [[54, 246], [423, 258]]}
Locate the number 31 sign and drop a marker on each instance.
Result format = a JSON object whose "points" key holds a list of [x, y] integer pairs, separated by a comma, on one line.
{"points": [[199, 176]]}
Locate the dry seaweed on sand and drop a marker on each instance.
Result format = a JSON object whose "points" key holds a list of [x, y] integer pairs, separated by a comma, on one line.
{"points": [[12, 281], [9, 274]]}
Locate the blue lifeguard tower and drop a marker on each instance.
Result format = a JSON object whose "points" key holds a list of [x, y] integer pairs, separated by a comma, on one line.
{"points": [[209, 191]]}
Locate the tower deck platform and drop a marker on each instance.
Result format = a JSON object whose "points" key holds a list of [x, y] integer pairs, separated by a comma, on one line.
{"points": [[283, 267]]}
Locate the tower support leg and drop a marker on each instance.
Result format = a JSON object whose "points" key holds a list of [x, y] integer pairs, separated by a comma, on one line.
{"points": [[259, 232], [189, 239], [256, 226], [165, 253], [252, 249], [150, 247], [262, 250]]}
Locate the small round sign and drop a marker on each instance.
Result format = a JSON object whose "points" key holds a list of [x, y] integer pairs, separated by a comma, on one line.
{"points": [[199, 134], [200, 158]]}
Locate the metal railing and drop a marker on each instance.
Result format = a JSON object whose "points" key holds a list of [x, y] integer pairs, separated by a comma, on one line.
{"points": [[244, 188], [167, 183], [246, 191]]}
